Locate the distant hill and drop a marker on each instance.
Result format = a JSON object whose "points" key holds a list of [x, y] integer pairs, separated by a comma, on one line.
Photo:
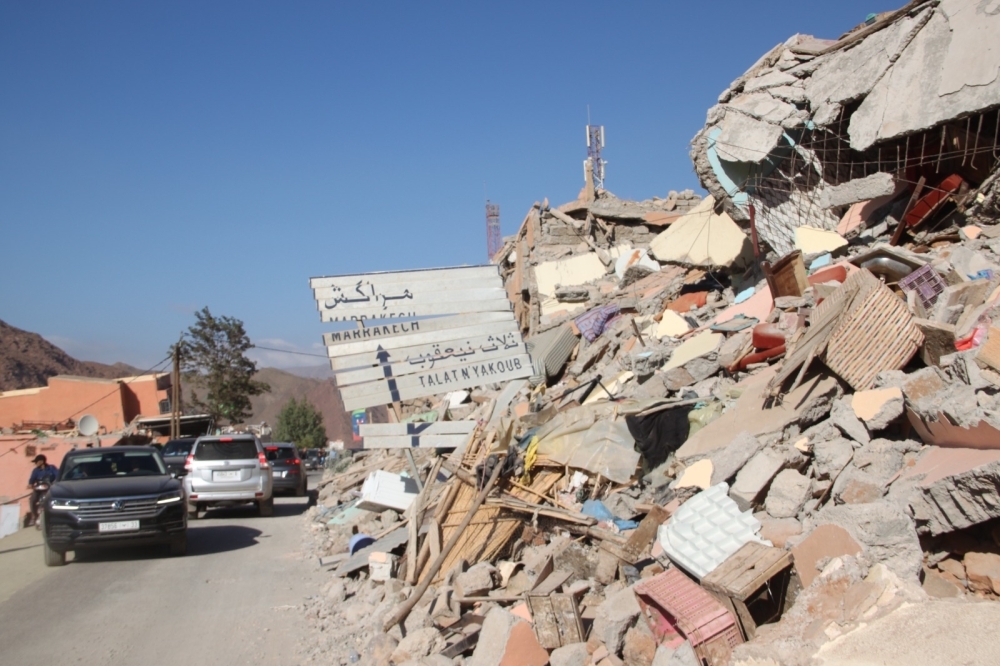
{"points": [[27, 360], [321, 393], [312, 371]]}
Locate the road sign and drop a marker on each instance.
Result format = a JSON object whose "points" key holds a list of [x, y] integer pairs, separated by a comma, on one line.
{"points": [[405, 277], [500, 330], [419, 333], [435, 381], [404, 311], [440, 434], [470, 349], [380, 330], [423, 363]]}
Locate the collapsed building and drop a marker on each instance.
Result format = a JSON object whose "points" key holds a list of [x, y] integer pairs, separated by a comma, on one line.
{"points": [[763, 425]]}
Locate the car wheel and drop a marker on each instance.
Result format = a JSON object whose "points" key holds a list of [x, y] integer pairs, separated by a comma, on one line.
{"points": [[53, 558], [179, 545], [192, 512], [266, 507]]}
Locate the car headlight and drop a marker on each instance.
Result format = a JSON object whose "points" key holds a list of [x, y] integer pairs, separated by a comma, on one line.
{"points": [[64, 505], [170, 498]]}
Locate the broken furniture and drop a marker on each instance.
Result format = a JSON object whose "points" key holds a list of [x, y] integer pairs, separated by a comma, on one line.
{"points": [[556, 619], [752, 584], [675, 606]]}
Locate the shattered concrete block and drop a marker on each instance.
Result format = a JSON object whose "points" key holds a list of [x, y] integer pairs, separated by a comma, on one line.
{"points": [[857, 486], [823, 543], [684, 655], [614, 617], [886, 533], [730, 460], [418, 644], [380, 648], [701, 368], [830, 457], [677, 378], [983, 572], [574, 654], [753, 480], [506, 640], [700, 345], [788, 494], [572, 294], [939, 340], [640, 647], [860, 189], [878, 407], [477, 581], [950, 489], [778, 530], [844, 418]]}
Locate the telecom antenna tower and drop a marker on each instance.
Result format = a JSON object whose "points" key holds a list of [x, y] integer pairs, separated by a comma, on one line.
{"points": [[595, 142], [493, 240]]}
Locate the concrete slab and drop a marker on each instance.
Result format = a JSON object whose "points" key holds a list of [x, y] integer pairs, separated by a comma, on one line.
{"points": [[812, 240], [826, 541], [700, 345], [807, 404]]}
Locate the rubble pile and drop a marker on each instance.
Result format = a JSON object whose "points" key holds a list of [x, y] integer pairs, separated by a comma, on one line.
{"points": [[759, 427]]}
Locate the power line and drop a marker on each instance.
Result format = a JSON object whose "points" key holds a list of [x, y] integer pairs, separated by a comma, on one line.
{"points": [[286, 351]]}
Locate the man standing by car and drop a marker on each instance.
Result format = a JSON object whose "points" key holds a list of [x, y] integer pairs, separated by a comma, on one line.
{"points": [[41, 479]]}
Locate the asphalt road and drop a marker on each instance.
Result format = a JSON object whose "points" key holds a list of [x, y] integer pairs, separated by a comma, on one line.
{"points": [[233, 599]]}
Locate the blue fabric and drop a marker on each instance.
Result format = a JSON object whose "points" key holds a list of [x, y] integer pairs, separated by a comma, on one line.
{"points": [[596, 509], [47, 473]]}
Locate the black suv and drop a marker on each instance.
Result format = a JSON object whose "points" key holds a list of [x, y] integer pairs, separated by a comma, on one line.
{"points": [[287, 469], [114, 496]]}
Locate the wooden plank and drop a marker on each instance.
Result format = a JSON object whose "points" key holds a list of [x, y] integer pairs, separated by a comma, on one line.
{"points": [[435, 382], [421, 310], [640, 540], [415, 442], [390, 277], [366, 293], [371, 374], [499, 329], [410, 429], [408, 298], [378, 329], [431, 354]]}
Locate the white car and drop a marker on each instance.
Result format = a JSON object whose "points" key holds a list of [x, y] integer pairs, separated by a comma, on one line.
{"points": [[228, 470]]}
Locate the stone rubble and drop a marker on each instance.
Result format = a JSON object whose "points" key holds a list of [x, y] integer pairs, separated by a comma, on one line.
{"points": [[869, 461]]}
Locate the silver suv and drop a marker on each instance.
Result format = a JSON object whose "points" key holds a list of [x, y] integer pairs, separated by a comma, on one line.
{"points": [[228, 470]]}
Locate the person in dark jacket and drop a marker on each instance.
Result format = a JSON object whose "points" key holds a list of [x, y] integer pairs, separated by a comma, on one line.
{"points": [[42, 477]]}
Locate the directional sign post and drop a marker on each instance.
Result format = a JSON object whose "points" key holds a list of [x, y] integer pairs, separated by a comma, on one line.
{"points": [[418, 334]]}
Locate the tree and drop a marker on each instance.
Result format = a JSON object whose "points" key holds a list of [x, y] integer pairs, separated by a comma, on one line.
{"points": [[300, 422], [213, 358]]}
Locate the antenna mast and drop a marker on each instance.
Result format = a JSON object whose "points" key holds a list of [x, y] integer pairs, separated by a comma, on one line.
{"points": [[493, 240], [595, 142]]}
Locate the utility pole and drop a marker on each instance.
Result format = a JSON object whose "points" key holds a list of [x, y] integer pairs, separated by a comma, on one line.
{"points": [[175, 395]]}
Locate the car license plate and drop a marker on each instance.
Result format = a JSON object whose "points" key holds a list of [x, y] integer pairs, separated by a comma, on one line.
{"points": [[233, 475], [277, 475], [120, 526]]}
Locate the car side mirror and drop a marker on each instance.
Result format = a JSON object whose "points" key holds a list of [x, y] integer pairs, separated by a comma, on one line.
{"points": [[173, 475]]}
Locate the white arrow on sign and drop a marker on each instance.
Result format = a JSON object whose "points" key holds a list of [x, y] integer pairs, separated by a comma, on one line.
{"points": [[410, 429], [469, 348], [401, 368], [376, 329], [405, 277], [407, 311], [433, 382], [416, 441]]}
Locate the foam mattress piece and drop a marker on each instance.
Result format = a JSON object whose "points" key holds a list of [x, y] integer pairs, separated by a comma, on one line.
{"points": [[706, 530]]}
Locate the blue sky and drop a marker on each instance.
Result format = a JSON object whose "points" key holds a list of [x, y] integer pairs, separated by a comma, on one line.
{"points": [[158, 157]]}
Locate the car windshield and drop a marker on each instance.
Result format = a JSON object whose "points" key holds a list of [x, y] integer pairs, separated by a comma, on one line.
{"points": [[177, 447], [228, 449], [107, 464], [280, 453]]}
